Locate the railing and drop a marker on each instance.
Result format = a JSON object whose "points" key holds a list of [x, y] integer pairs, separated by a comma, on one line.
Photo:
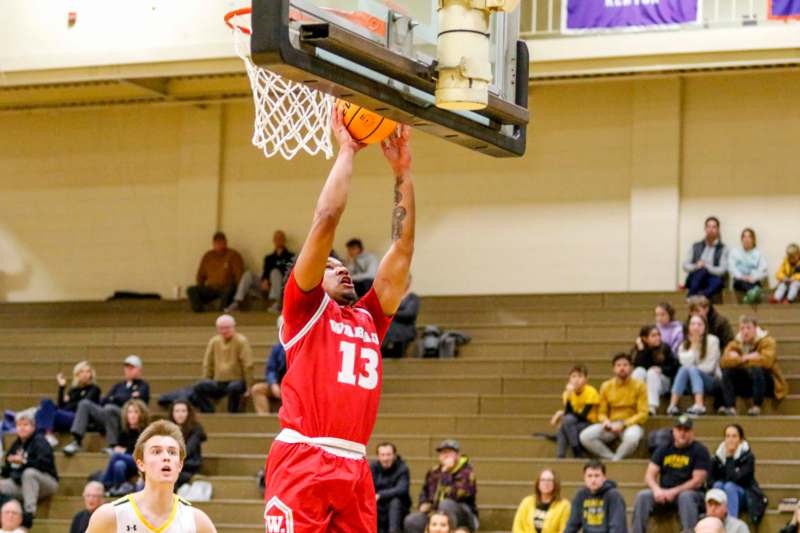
{"points": [[542, 18]]}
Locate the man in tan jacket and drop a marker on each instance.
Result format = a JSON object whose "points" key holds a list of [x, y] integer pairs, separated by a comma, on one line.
{"points": [[750, 368], [227, 368], [219, 273]]}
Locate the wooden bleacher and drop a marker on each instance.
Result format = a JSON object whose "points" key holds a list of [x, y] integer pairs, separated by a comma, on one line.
{"points": [[503, 387]]}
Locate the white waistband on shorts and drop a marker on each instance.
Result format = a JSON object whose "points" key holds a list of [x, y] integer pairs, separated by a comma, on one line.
{"points": [[340, 447]]}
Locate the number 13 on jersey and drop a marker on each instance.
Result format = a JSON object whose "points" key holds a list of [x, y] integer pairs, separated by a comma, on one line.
{"points": [[368, 379]]}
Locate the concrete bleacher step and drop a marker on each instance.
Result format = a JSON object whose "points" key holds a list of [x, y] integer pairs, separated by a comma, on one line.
{"points": [[491, 492], [487, 468], [500, 425], [552, 331], [467, 364], [53, 358], [412, 383], [248, 513], [424, 445], [473, 316], [476, 404]]}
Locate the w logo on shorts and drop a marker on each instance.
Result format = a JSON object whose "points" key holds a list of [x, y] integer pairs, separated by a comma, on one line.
{"points": [[278, 517]]}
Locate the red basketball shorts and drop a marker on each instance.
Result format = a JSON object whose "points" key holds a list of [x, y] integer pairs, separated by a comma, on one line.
{"points": [[309, 490]]}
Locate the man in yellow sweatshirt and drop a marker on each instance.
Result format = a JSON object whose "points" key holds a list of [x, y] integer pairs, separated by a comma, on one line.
{"points": [[621, 415]]}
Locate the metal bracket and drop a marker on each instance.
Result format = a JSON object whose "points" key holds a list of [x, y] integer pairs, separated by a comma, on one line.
{"points": [[400, 33]]}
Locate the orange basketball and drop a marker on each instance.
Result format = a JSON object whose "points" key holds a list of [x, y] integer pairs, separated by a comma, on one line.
{"points": [[364, 125]]}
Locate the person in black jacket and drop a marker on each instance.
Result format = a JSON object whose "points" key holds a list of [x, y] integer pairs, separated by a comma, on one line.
{"points": [[105, 414], [52, 417], [654, 364], [183, 414], [29, 469], [403, 330], [92, 499], [391, 478], [733, 470], [717, 324], [598, 507], [122, 468]]}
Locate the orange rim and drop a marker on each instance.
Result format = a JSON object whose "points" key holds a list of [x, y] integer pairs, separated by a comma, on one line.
{"points": [[237, 13], [373, 24]]}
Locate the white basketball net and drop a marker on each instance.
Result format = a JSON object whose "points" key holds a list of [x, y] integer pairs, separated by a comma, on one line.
{"points": [[290, 117]]}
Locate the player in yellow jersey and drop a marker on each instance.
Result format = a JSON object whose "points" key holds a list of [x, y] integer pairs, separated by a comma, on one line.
{"points": [[159, 454]]}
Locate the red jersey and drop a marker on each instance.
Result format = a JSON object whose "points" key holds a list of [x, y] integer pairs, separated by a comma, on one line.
{"points": [[332, 385]]}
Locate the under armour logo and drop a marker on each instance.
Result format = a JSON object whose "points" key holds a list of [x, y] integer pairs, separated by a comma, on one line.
{"points": [[130, 527]]}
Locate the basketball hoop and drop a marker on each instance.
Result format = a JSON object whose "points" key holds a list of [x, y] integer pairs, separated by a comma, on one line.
{"points": [[290, 117]]}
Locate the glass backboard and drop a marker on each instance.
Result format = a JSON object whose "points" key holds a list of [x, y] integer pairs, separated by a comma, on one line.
{"points": [[381, 54]]}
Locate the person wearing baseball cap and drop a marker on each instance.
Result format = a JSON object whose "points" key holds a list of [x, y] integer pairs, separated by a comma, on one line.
{"points": [[717, 506], [675, 477], [449, 487], [106, 414]]}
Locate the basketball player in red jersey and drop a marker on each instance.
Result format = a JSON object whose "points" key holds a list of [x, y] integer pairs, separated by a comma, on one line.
{"points": [[318, 479]]}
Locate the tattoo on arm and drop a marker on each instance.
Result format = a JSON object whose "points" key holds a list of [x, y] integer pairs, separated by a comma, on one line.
{"points": [[399, 212]]}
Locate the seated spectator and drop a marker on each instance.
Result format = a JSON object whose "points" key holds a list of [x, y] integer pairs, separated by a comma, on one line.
{"points": [[105, 415], [217, 276], [276, 268], [227, 368], [675, 478], [11, 517], [788, 277], [450, 488], [391, 477], [733, 469], [440, 522], [750, 368], [544, 511], [29, 470], [403, 330], [622, 413], [52, 417], [671, 329], [707, 263], [580, 411], [183, 415], [120, 474], [267, 395], [717, 507], [748, 267], [363, 266], [654, 364], [598, 507], [710, 524], [92, 499], [699, 358], [718, 325]]}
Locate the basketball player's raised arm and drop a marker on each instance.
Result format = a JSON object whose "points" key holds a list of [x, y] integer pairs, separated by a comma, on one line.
{"points": [[310, 265], [392, 278]]}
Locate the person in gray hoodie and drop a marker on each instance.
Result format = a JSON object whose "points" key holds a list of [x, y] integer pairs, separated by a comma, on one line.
{"points": [[598, 507]]}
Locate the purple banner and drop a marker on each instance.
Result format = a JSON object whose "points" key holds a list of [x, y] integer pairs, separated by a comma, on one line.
{"points": [[582, 15], [784, 9]]}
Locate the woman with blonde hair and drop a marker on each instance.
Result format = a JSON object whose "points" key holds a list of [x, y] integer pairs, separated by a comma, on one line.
{"points": [[544, 511], [118, 478], [52, 417]]}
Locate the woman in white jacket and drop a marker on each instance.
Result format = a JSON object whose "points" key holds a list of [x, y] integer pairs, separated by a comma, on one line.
{"points": [[699, 357]]}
